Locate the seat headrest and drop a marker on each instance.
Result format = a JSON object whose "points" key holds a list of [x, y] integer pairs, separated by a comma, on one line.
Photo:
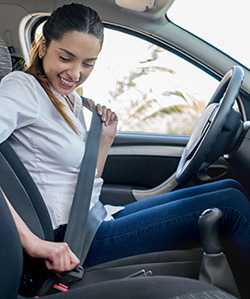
{"points": [[5, 60]]}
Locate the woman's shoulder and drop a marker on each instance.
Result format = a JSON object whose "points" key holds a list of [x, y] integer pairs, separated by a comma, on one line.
{"points": [[19, 76], [18, 85]]}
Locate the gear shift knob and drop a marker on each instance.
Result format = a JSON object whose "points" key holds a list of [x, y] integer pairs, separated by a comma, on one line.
{"points": [[208, 226], [214, 266]]}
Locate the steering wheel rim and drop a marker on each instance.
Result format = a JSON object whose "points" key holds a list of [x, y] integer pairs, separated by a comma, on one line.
{"points": [[210, 124]]}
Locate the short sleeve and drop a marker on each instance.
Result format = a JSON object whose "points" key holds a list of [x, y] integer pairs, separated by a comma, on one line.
{"points": [[19, 102]]}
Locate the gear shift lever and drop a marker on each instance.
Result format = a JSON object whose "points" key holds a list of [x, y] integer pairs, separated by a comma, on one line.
{"points": [[214, 267], [208, 226]]}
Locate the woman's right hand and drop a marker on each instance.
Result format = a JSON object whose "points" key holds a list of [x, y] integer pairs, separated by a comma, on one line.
{"points": [[58, 256]]}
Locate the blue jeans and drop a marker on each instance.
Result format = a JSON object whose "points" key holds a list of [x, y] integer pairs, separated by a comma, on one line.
{"points": [[169, 221]]}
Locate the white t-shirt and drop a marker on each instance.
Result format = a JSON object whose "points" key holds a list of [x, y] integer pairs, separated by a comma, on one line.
{"points": [[48, 147]]}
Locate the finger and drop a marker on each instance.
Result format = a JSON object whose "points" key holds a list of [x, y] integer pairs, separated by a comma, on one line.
{"points": [[113, 117], [74, 259], [59, 257], [49, 264], [71, 260], [67, 258], [67, 262], [104, 114], [108, 117], [59, 262], [99, 109], [53, 263]]}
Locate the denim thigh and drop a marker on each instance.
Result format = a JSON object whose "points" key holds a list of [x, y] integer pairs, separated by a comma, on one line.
{"points": [[178, 194], [171, 225]]}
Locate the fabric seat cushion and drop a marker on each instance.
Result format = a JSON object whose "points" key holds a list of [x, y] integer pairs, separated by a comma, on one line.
{"points": [[158, 287]]}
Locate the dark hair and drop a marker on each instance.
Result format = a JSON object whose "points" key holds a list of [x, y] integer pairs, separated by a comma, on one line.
{"points": [[70, 17]]}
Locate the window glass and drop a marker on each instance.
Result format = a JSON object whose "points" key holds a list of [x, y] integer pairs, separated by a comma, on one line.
{"points": [[223, 23], [151, 89]]}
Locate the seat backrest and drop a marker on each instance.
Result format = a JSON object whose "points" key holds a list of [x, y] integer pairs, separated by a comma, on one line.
{"points": [[11, 254], [5, 60], [23, 192]]}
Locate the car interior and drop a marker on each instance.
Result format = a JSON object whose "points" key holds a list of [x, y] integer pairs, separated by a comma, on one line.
{"points": [[140, 163]]}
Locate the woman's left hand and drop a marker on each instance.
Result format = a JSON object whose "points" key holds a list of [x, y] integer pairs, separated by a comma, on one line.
{"points": [[109, 120], [108, 117]]}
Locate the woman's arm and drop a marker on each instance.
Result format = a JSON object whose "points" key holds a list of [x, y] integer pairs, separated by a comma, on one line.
{"points": [[57, 256]]}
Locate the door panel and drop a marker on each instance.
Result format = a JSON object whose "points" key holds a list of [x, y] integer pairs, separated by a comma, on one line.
{"points": [[139, 161]]}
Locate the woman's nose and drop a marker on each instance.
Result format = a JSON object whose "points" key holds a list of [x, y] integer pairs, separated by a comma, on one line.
{"points": [[75, 73]]}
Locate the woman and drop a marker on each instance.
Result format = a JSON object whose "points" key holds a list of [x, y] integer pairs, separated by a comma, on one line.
{"points": [[48, 132]]}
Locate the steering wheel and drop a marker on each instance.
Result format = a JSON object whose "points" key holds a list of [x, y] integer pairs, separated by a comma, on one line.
{"points": [[210, 125]]}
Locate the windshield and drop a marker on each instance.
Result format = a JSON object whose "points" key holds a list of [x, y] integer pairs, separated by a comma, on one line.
{"points": [[223, 23]]}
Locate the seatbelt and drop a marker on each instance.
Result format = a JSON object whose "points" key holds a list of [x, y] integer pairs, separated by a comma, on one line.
{"points": [[77, 227], [76, 230]]}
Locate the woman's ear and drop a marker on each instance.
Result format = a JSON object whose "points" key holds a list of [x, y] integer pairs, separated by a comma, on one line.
{"points": [[42, 49]]}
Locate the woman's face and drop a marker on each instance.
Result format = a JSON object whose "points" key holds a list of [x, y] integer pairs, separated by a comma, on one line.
{"points": [[69, 61]]}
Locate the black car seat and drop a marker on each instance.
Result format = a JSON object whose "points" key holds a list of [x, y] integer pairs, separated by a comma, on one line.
{"points": [[26, 199], [158, 287]]}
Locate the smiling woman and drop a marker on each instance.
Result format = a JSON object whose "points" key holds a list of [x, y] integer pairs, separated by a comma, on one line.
{"points": [[69, 61]]}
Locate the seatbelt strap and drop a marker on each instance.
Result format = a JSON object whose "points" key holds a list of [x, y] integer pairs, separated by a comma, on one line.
{"points": [[76, 230]]}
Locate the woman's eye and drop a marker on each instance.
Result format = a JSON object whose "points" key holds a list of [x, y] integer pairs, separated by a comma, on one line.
{"points": [[65, 59], [88, 65]]}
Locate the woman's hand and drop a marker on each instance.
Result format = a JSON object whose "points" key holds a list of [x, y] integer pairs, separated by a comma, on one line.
{"points": [[108, 117], [110, 121], [58, 256]]}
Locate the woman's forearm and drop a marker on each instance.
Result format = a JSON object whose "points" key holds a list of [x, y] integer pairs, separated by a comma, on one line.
{"points": [[24, 232], [105, 145]]}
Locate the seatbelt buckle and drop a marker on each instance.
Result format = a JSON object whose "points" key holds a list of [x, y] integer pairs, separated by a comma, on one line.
{"points": [[73, 275]]}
